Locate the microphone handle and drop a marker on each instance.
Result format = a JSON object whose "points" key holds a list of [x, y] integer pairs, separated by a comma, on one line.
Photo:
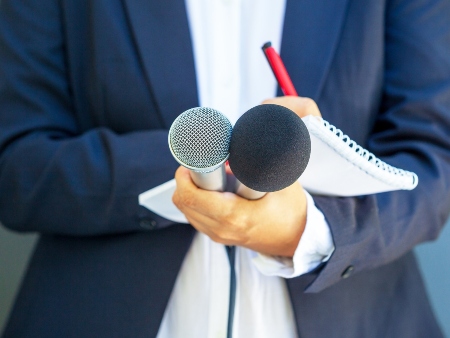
{"points": [[213, 180], [244, 191], [216, 181]]}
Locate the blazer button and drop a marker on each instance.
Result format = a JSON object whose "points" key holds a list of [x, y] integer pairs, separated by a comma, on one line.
{"points": [[347, 272], [147, 223]]}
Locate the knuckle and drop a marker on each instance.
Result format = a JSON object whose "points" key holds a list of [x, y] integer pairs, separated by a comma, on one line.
{"points": [[175, 199], [183, 199], [187, 199], [237, 221], [307, 100], [310, 106], [216, 238], [235, 228], [268, 101], [231, 221]]}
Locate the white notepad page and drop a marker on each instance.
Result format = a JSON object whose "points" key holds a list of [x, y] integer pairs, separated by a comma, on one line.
{"points": [[340, 167], [337, 167]]}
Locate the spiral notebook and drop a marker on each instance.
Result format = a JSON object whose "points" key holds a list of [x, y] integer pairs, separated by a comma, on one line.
{"points": [[337, 167], [340, 167]]}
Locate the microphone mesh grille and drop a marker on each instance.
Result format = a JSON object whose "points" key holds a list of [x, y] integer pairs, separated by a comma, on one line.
{"points": [[200, 137]]}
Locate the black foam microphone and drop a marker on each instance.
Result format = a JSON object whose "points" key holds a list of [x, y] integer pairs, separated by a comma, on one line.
{"points": [[269, 149]]}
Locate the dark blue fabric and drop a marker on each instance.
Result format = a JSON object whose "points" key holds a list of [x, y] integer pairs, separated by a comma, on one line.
{"points": [[87, 92]]}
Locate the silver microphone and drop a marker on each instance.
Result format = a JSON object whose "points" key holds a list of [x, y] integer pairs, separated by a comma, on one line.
{"points": [[199, 139]]}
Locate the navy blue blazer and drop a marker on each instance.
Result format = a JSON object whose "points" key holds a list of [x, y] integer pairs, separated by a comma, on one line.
{"points": [[88, 90]]}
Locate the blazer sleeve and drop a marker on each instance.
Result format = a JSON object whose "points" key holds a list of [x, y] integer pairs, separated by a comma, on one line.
{"points": [[54, 177], [412, 131]]}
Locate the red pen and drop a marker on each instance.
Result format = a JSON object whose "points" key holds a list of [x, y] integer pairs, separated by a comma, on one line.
{"points": [[278, 69]]}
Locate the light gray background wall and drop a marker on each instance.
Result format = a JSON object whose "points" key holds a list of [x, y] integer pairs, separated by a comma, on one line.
{"points": [[15, 250], [434, 259]]}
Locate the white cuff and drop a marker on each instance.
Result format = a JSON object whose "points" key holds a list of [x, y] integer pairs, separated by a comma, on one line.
{"points": [[315, 246]]}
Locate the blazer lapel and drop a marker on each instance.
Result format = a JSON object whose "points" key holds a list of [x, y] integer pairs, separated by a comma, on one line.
{"points": [[164, 45], [310, 35]]}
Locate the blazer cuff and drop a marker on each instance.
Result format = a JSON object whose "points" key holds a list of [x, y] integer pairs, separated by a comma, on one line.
{"points": [[356, 235]]}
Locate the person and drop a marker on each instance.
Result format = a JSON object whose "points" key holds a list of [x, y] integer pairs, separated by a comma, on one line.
{"points": [[87, 94]]}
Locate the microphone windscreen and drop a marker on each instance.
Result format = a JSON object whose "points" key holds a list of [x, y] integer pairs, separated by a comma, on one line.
{"points": [[270, 148], [199, 138]]}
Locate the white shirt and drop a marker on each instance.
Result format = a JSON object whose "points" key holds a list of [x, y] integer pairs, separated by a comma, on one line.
{"points": [[233, 76]]}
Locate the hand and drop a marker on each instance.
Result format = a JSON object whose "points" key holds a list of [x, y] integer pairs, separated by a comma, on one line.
{"points": [[302, 106], [272, 225]]}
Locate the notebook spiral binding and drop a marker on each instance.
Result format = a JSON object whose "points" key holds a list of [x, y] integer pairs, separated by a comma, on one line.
{"points": [[349, 149]]}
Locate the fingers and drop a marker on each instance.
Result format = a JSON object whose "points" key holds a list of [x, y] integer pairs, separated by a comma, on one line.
{"points": [[213, 204], [302, 106], [220, 215], [223, 232], [272, 225]]}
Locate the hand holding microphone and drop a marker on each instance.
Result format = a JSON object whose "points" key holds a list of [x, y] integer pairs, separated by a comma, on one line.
{"points": [[272, 225]]}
